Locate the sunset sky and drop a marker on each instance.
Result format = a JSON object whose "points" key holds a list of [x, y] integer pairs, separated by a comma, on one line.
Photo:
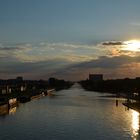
{"points": [[69, 38]]}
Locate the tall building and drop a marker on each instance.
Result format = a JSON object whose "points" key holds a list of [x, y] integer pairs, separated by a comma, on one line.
{"points": [[95, 77]]}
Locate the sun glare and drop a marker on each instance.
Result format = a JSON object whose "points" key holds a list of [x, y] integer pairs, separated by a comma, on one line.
{"points": [[135, 123], [132, 45]]}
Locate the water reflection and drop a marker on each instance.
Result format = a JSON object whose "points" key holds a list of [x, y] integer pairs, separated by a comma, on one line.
{"points": [[12, 110], [5, 109], [117, 103], [135, 124]]}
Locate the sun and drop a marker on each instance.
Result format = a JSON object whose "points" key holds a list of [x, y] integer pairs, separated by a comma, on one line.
{"points": [[132, 45]]}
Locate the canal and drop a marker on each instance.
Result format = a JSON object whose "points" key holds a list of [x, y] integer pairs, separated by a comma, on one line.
{"points": [[73, 114]]}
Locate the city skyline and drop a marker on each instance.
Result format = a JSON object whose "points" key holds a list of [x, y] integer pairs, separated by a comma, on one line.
{"points": [[69, 39]]}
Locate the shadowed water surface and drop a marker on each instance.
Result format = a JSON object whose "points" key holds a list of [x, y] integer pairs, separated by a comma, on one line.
{"points": [[73, 115]]}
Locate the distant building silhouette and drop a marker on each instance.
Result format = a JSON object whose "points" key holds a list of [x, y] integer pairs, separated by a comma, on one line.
{"points": [[52, 81], [19, 78], [95, 77]]}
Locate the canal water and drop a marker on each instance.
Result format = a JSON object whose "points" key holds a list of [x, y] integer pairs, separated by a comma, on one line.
{"points": [[73, 114]]}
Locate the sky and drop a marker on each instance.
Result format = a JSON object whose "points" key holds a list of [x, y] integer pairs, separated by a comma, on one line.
{"points": [[68, 39]]}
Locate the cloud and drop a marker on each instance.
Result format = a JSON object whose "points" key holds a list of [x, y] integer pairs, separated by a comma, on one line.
{"points": [[9, 48], [10, 51], [117, 48], [65, 60], [111, 67], [34, 70], [45, 51], [113, 43], [109, 62]]}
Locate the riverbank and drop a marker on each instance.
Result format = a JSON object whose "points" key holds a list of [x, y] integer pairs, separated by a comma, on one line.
{"points": [[8, 101], [126, 88], [133, 105], [7, 104], [122, 88]]}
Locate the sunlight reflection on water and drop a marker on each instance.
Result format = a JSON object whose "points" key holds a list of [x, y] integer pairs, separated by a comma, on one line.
{"points": [[12, 110], [135, 124]]}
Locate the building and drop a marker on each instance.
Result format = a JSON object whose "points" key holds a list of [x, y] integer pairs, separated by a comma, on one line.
{"points": [[5, 89], [19, 79], [95, 77]]}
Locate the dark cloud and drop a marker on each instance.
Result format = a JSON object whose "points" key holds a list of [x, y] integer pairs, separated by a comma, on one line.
{"points": [[13, 46], [112, 43], [108, 62], [64, 69], [7, 48], [33, 70], [103, 63], [10, 48]]}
